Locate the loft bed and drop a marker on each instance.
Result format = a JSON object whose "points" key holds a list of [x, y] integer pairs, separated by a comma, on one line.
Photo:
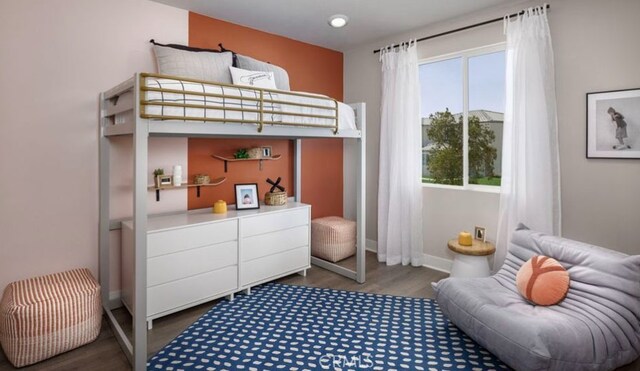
{"points": [[159, 105], [179, 106]]}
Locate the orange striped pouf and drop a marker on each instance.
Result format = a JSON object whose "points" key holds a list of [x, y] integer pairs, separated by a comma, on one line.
{"points": [[44, 316], [333, 238]]}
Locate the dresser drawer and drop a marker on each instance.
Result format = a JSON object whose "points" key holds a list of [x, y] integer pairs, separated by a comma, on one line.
{"points": [[175, 240], [276, 221], [273, 266], [274, 242], [189, 290], [171, 267]]}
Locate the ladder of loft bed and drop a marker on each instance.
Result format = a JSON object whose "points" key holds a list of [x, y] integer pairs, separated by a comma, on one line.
{"points": [[135, 352], [104, 232], [105, 226]]}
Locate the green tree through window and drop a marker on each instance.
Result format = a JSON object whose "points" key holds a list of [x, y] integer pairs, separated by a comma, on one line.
{"points": [[445, 157], [471, 84]]}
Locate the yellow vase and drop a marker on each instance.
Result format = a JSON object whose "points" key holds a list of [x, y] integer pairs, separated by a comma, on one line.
{"points": [[219, 207]]}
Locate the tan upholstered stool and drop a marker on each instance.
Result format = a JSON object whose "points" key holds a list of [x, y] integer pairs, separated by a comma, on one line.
{"points": [[44, 316], [333, 238]]}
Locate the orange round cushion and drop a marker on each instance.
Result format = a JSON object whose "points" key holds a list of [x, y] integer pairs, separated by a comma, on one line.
{"points": [[543, 281]]}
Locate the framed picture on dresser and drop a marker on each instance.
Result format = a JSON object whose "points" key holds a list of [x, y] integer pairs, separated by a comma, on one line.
{"points": [[247, 196]]}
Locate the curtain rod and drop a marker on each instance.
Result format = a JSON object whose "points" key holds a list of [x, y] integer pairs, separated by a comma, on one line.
{"points": [[465, 28]]}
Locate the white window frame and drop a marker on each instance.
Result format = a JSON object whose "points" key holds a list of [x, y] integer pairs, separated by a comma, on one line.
{"points": [[465, 55]]}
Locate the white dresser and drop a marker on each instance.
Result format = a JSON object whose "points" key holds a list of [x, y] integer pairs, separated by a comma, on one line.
{"points": [[199, 256]]}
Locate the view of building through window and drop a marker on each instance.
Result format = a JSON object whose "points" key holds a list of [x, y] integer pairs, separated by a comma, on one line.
{"points": [[444, 156]]}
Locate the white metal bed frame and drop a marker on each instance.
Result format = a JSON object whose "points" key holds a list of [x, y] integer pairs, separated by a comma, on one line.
{"points": [[124, 100]]}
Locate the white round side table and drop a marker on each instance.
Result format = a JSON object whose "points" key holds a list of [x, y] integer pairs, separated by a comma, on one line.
{"points": [[471, 261]]}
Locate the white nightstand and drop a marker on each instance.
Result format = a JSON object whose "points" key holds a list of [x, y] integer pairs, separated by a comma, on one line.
{"points": [[471, 261]]}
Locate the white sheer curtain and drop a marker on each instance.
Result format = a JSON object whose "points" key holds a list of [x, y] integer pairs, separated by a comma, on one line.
{"points": [[400, 190], [530, 189]]}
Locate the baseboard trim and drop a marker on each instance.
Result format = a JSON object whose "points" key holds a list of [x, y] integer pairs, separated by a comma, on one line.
{"points": [[371, 245], [437, 263], [430, 261], [114, 299]]}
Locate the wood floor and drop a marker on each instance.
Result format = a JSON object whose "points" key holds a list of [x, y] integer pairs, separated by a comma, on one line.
{"points": [[105, 354]]}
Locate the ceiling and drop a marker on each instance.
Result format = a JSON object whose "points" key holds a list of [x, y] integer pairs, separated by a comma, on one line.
{"points": [[306, 20]]}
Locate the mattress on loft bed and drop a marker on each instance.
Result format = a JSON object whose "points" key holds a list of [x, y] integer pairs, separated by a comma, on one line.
{"points": [[346, 115]]}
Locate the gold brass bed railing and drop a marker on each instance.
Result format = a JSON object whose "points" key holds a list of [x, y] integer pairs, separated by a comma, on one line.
{"points": [[259, 98]]}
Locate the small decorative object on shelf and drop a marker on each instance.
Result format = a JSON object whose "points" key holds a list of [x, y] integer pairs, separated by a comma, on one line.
{"points": [[480, 234], [241, 153], [255, 152], [177, 175], [464, 239], [165, 180], [273, 198], [201, 179], [266, 151], [219, 207], [156, 177], [247, 196]]}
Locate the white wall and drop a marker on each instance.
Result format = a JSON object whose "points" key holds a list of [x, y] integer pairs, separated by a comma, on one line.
{"points": [[55, 57], [595, 49]]}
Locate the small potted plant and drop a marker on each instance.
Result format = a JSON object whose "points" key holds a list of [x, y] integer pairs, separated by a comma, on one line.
{"points": [[241, 154], [157, 174]]}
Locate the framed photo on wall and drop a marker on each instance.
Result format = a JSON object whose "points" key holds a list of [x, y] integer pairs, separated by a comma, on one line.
{"points": [[613, 124], [247, 196]]}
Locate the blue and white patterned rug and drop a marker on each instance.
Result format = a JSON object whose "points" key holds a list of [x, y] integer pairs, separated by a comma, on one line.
{"points": [[283, 327]]}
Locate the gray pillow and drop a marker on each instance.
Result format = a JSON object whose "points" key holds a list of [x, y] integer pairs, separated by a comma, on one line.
{"points": [[280, 74], [200, 65]]}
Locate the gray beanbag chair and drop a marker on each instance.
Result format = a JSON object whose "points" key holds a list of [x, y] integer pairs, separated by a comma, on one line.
{"points": [[596, 327]]}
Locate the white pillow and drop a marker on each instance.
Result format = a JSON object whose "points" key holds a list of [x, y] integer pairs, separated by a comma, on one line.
{"points": [[258, 79], [281, 75]]}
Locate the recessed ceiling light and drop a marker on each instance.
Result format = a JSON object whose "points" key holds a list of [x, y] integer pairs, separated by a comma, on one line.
{"points": [[338, 20]]}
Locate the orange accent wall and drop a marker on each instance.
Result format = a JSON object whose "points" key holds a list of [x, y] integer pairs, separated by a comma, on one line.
{"points": [[200, 161], [312, 69]]}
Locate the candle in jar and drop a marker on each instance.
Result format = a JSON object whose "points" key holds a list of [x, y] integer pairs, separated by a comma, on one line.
{"points": [[219, 207], [464, 239]]}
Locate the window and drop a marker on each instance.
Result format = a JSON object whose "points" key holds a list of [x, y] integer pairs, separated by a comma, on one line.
{"points": [[462, 112]]}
